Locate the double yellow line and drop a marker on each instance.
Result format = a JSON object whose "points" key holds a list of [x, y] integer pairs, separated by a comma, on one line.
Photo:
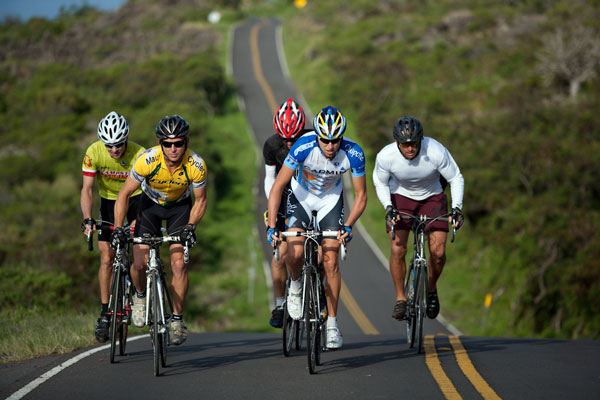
{"points": [[465, 364]]}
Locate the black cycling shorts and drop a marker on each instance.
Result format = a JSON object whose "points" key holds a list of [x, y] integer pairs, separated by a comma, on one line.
{"points": [[151, 215], [297, 217], [107, 214]]}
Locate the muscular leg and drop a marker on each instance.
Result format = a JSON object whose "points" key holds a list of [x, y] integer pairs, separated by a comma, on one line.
{"points": [[279, 272], [295, 250], [398, 262], [332, 272], [138, 270], [180, 281], [105, 271], [437, 257]]}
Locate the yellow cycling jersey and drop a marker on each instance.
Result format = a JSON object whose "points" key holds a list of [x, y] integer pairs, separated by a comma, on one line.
{"points": [[111, 173], [163, 187]]}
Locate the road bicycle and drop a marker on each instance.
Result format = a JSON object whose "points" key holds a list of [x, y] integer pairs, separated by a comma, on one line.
{"points": [[119, 302], [159, 304], [416, 278], [314, 304]]}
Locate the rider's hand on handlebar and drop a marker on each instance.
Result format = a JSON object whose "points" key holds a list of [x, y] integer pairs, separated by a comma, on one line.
{"points": [[391, 214], [457, 218], [118, 238], [345, 234], [273, 236], [88, 224], [188, 235]]}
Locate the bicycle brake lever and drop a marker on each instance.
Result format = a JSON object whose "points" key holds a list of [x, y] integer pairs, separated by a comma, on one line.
{"points": [[186, 253], [90, 241]]}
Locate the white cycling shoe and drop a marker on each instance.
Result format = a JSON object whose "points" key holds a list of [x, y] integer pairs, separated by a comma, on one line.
{"points": [[138, 311], [294, 304], [334, 338]]}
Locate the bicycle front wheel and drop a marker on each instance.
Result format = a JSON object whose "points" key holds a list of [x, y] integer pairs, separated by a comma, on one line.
{"points": [[409, 291], [311, 323], [421, 305], [154, 325], [164, 329], [115, 309]]}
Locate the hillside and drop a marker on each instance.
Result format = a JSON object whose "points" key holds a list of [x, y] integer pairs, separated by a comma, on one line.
{"points": [[512, 89]]}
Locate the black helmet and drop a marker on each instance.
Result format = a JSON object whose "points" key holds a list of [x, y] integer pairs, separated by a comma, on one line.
{"points": [[408, 129], [172, 127]]}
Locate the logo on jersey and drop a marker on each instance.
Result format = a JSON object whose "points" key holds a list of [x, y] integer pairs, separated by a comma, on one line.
{"points": [[355, 153], [87, 161]]}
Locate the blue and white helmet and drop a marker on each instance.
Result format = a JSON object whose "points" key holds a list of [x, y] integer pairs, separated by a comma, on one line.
{"points": [[113, 129], [329, 124]]}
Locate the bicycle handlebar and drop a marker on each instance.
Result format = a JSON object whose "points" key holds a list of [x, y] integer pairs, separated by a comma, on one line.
{"points": [[313, 235], [420, 220], [153, 241]]}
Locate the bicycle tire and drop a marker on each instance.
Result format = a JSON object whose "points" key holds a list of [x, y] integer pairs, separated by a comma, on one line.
{"points": [[299, 334], [156, 340], [164, 329], [421, 307], [289, 331], [124, 326], [114, 310], [410, 300]]}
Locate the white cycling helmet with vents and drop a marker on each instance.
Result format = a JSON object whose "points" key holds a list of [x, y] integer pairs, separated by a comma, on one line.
{"points": [[113, 129]]}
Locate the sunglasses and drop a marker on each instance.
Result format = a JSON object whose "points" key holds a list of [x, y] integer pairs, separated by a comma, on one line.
{"points": [[409, 144], [327, 141], [289, 140], [114, 146], [177, 144]]}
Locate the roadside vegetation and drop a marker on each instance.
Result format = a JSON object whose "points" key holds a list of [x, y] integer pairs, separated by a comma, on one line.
{"points": [[59, 78]]}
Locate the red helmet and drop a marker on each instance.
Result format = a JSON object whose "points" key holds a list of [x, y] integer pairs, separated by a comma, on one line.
{"points": [[289, 120]]}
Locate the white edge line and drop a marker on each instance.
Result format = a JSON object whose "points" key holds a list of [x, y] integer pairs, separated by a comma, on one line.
{"points": [[44, 377]]}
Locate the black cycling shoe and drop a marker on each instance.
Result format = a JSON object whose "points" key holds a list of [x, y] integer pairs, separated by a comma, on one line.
{"points": [[102, 329], [276, 320], [400, 310], [433, 305]]}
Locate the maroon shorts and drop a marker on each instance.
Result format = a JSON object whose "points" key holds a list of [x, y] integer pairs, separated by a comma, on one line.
{"points": [[433, 206]]}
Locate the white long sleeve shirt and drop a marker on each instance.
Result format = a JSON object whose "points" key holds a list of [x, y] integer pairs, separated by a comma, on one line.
{"points": [[418, 178]]}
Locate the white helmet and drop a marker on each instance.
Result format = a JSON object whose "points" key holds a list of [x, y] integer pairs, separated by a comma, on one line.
{"points": [[113, 129]]}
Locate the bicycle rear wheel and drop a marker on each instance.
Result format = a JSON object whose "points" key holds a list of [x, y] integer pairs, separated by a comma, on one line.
{"points": [[154, 325], [115, 309], [409, 291], [299, 334]]}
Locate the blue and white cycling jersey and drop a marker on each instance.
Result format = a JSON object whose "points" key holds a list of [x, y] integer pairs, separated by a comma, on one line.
{"points": [[317, 174]]}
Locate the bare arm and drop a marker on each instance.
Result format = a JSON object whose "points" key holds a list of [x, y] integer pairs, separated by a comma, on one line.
{"points": [[283, 177], [122, 202], [87, 199], [360, 199], [199, 207]]}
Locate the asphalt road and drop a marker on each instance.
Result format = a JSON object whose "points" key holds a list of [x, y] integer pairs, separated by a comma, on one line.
{"points": [[375, 361]]}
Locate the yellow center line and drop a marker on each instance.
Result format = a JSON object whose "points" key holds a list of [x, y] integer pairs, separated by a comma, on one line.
{"points": [[257, 66], [356, 312], [469, 370], [347, 298], [435, 367]]}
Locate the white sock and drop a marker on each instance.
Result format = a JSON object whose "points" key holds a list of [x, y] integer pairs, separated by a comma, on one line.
{"points": [[296, 286], [332, 322], [279, 301]]}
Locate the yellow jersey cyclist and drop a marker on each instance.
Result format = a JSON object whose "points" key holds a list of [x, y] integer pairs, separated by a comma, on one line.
{"points": [[108, 160], [168, 174]]}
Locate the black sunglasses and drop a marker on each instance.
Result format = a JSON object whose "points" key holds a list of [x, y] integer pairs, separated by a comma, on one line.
{"points": [[112, 146], [177, 144], [290, 140], [327, 141]]}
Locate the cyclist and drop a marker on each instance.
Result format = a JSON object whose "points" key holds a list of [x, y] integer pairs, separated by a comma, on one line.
{"points": [[407, 178], [168, 174], [110, 158], [289, 123], [314, 166]]}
